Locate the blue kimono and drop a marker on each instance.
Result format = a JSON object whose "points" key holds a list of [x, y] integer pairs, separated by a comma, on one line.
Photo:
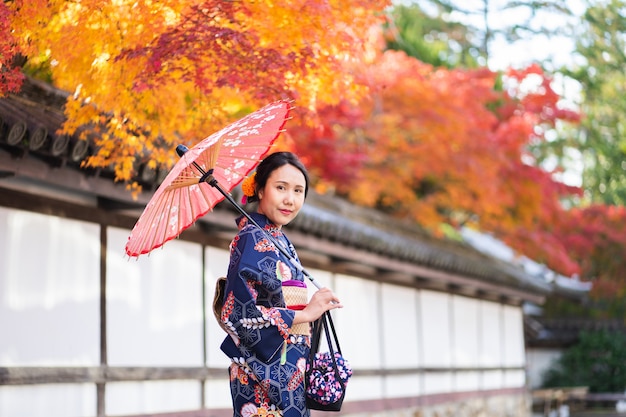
{"points": [[268, 362]]}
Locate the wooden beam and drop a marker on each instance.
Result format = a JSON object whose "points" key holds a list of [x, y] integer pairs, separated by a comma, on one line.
{"points": [[29, 375], [314, 259], [361, 269], [102, 374], [400, 278]]}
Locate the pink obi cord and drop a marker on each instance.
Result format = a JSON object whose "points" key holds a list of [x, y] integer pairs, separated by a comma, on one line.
{"points": [[295, 294], [294, 283]]}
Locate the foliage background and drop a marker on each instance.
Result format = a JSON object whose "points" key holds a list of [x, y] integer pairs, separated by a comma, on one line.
{"points": [[597, 361], [395, 106]]}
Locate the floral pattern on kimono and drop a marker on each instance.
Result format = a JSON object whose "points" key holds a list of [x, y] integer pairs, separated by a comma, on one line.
{"points": [[268, 364]]}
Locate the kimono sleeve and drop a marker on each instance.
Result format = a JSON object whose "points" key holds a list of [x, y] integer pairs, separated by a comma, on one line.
{"points": [[257, 329]]}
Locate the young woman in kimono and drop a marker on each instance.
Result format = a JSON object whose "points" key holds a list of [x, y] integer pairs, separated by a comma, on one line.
{"points": [[268, 342]]}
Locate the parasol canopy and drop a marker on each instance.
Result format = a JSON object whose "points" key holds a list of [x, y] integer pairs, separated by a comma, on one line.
{"points": [[224, 158]]}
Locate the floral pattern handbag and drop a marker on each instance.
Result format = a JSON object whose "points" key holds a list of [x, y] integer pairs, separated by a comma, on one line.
{"points": [[327, 373]]}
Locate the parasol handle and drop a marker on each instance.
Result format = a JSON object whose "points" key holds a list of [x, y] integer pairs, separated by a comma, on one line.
{"points": [[210, 179]]}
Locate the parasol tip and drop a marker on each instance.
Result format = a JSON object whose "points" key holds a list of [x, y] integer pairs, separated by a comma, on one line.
{"points": [[181, 150]]}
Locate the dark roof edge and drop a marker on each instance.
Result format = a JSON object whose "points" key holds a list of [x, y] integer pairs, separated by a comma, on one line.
{"points": [[372, 231]]}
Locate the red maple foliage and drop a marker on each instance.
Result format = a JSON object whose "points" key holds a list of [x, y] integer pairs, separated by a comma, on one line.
{"points": [[11, 76], [449, 146], [596, 237]]}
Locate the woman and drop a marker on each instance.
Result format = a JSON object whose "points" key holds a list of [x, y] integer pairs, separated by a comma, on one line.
{"points": [[268, 355]]}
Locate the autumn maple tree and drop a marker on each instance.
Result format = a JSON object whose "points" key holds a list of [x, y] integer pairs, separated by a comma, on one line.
{"points": [[445, 146], [146, 76], [578, 238], [440, 145], [384, 129]]}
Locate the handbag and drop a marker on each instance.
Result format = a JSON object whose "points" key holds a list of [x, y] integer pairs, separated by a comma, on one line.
{"points": [[218, 301], [327, 373]]}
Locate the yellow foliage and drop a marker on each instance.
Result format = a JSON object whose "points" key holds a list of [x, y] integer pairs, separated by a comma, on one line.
{"points": [[89, 47]]}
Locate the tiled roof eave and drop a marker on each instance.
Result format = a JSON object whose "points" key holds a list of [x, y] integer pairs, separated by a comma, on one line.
{"points": [[329, 218], [340, 228]]}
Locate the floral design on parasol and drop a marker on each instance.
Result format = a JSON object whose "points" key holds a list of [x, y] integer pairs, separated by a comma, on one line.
{"points": [[205, 175]]}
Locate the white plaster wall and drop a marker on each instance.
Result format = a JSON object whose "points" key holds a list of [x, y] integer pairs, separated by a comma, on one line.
{"points": [[154, 304], [155, 319], [359, 330], [513, 333], [491, 339], [398, 386], [438, 383], [217, 392], [126, 398], [492, 379], [400, 339], [358, 322], [465, 331], [538, 360], [467, 381], [49, 290], [325, 279], [436, 329], [364, 388], [49, 309], [465, 342], [514, 378], [58, 400]]}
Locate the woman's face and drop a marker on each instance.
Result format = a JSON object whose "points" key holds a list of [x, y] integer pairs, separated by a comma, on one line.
{"points": [[283, 195]]}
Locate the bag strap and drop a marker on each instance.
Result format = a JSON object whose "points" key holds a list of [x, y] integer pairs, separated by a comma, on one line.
{"points": [[315, 339], [326, 322], [329, 319]]}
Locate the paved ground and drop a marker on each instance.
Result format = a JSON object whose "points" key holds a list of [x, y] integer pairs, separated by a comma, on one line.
{"points": [[589, 413]]}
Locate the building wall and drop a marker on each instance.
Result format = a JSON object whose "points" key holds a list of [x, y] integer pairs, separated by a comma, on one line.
{"points": [[539, 360], [411, 349]]}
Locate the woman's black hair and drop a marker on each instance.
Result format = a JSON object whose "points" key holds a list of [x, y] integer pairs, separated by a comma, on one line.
{"points": [[270, 164]]}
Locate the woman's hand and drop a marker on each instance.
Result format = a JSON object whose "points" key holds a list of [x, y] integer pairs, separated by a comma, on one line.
{"points": [[322, 301]]}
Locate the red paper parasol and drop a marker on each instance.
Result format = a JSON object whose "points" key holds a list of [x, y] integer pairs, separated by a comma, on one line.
{"points": [[224, 158]]}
